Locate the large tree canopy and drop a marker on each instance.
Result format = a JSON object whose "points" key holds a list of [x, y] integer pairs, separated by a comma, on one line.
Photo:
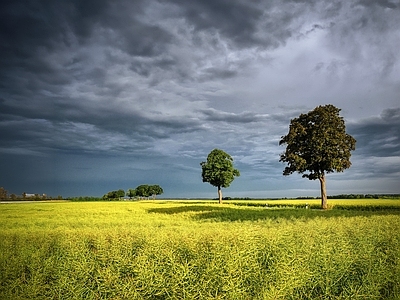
{"points": [[317, 144], [218, 170]]}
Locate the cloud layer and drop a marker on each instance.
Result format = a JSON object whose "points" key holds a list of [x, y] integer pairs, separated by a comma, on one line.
{"points": [[101, 95]]}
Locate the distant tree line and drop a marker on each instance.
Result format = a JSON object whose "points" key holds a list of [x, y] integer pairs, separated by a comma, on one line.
{"points": [[234, 198], [84, 198], [341, 196], [365, 196], [114, 195], [141, 191], [4, 195]]}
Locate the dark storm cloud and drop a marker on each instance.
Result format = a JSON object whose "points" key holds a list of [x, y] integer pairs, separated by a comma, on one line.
{"points": [[265, 24], [379, 136], [233, 19], [26, 25], [383, 3], [30, 30], [42, 43], [217, 116], [126, 135], [141, 80], [219, 73]]}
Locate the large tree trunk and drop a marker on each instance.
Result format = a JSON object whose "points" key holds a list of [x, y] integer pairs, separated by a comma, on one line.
{"points": [[324, 199], [220, 195]]}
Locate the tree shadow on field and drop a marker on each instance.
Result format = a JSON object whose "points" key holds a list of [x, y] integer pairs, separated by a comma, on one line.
{"points": [[222, 213], [186, 208]]}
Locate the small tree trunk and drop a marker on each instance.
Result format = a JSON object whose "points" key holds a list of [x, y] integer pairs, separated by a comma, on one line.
{"points": [[220, 195], [324, 199]]}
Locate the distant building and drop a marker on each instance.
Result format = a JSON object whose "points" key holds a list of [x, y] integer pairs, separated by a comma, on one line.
{"points": [[36, 196], [30, 195]]}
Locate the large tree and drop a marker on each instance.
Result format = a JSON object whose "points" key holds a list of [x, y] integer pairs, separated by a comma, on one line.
{"points": [[218, 170], [317, 144]]}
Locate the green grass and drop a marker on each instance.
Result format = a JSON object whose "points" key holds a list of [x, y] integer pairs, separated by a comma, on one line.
{"points": [[200, 250]]}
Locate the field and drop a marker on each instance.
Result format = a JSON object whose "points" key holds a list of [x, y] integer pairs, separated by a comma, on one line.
{"points": [[200, 250]]}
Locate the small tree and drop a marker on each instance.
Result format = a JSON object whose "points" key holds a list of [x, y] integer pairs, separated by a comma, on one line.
{"points": [[218, 170], [3, 193], [131, 193], [114, 194], [143, 190], [120, 193], [317, 143], [155, 190]]}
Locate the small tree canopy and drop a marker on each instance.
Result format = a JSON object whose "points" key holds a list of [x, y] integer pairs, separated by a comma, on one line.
{"points": [[218, 170], [143, 190], [120, 193], [114, 194], [317, 144], [155, 190], [131, 193], [3, 193]]}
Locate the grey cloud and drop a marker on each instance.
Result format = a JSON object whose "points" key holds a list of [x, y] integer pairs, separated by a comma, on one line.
{"points": [[27, 27], [84, 16], [218, 73], [379, 136], [43, 136], [92, 129], [370, 23], [24, 26], [171, 77], [217, 116], [314, 28], [233, 19], [144, 40], [383, 3], [391, 115]]}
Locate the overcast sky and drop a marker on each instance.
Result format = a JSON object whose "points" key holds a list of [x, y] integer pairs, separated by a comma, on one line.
{"points": [[99, 95]]}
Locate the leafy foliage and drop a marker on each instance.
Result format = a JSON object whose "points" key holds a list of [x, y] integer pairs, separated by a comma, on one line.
{"points": [[131, 193], [155, 189], [218, 170], [3, 193], [317, 144], [145, 190], [114, 194], [142, 190]]}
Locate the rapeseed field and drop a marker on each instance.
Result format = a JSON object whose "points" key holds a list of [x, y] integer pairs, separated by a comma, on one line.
{"points": [[200, 250]]}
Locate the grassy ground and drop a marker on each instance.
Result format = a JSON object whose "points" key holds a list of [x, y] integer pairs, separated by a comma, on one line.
{"points": [[200, 250]]}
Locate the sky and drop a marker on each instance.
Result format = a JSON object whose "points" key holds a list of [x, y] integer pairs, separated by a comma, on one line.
{"points": [[100, 95]]}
